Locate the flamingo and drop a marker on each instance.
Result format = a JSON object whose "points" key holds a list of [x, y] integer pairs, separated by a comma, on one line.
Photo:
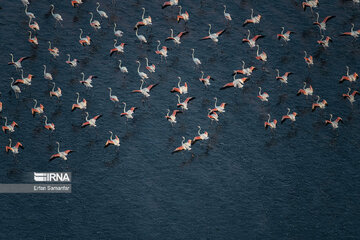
{"points": [[318, 104], [144, 91], [252, 41], [14, 149], [291, 116], [29, 14], [180, 89], [15, 88], [38, 110], [33, 40], [252, 19], [119, 48], [310, 3], [47, 75], [322, 25], [142, 75], [201, 136], [25, 2], [144, 21], [213, 36], [309, 60], [75, 3], [49, 126], [150, 68], [334, 124], [90, 122], [227, 15], [129, 113], [26, 81], [213, 115], [57, 16], [10, 127], [195, 60], [94, 23], [80, 105], [236, 83], [163, 51], [272, 124], [206, 80], [285, 36], [184, 104], [184, 146], [306, 91], [84, 41], [34, 26], [263, 96], [72, 63], [53, 51], [262, 56], [88, 81], [112, 141], [245, 71], [101, 13], [324, 43], [56, 93], [219, 108], [352, 33], [170, 3], [17, 64], [172, 118], [177, 38], [113, 98], [117, 33], [350, 78], [350, 97], [283, 78], [62, 155], [140, 37], [185, 16], [123, 69]]}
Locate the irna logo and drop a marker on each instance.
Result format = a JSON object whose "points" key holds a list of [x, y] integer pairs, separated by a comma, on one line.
{"points": [[52, 177]]}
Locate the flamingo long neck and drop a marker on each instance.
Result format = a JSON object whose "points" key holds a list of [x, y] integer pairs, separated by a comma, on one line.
{"points": [[193, 53], [81, 31], [29, 21], [12, 56], [259, 91], [115, 42], [69, 57], [119, 63], [30, 34], [58, 147], [248, 35], [282, 31], [278, 73], [142, 83], [46, 120], [110, 92], [209, 29], [157, 48], [352, 28], [136, 32], [180, 7], [83, 76], [52, 10], [49, 45], [252, 13], [87, 115], [44, 69], [331, 117], [111, 136], [22, 74], [224, 9], [147, 62], [215, 102], [182, 142], [5, 121], [53, 87], [199, 126], [124, 107], [138, 67], [178, 98], [91, 17], [168, 112], [347, 70], [243, 64], [268, 118], [305, 53], [142, 17], [97, 9], [202, 74], [317, 19], [35, 103], [114, 27], [12, 82], [304, 85], [10, 138], [179, 82], [257, 52], [77, 100], [172, 33], [26, 7], [349, 91], [288, 111], [318, 99]]}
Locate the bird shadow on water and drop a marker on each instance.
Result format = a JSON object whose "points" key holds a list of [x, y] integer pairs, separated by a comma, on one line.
{"points": [[114, 162]]}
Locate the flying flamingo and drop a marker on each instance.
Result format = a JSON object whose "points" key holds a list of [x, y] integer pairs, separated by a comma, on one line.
{"points": [[118, 48], [72, 63], [170, 3], [53, 51], [36, 109], [184, 104], [15, 88], [150, 68], [141, 38], [322, 25], [318, 104], [334, 124], [291, 116], [219, 108], [213, 115], [311, 4], [142, 75], [180, 89], [350, 78], [49, 126], [263, 96], [113, 98], [306, 91], [112, 141], [25, 81], [184, 146], [195, 60], [162, 52], [101, 13], [75, 3], [62, 155], [88, 81], [213, 36], [201, 136], [144, 91], [47, 75], [33, 40], [84, 40], [94, 23], [172, 118], [309, 60], [80, 105], [117, 33], [123, 69], [34, 26], [227, 15], [144, 21], [262, 56], [206, 80], [236, 83], [324, 43], [246, 71], [283, 78], [90, 122], [10, 127], [185, 16], [252, 41], [176, 39], [56, 93], [285, 36], [14, 149], [29, 14], [352, 33], [272, 124], [350, 97], [57, 16], [17, 64], [252, 19], [129, 113]]}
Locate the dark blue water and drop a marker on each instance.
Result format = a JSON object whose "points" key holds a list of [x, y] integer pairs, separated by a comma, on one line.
{"points": [[299, 181]]}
